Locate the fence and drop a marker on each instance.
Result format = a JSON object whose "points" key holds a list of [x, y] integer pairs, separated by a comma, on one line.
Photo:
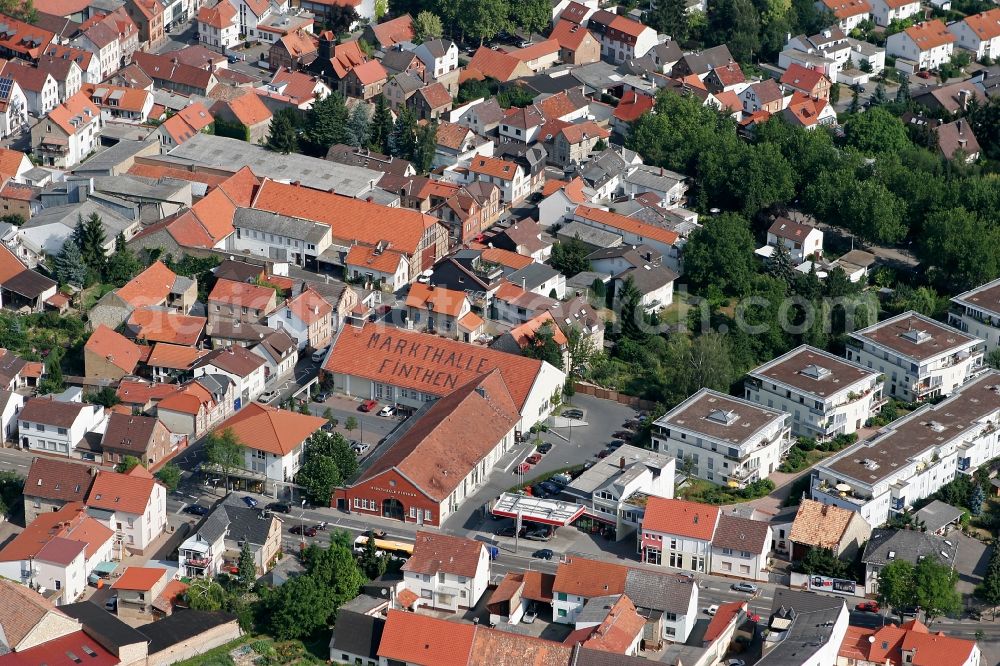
{"points": [[608, 394]]}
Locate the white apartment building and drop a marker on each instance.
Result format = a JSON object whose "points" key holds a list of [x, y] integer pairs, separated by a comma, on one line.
{"points": [[928, 44], [825, 395], [57, 426], [447, 572], [919, 357], [977, 312], [678, 534], [511, 178], [979, 33], [615, 489], [913, 457], [134, 505], [885, 12], [724, 439], [248, 371], [278, 237]]}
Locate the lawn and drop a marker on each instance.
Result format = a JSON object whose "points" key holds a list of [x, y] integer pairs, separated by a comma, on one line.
{"points": [[706, 492], [264, 651]]}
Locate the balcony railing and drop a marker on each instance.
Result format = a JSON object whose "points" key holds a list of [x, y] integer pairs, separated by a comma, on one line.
{"points": [[197, 562]]}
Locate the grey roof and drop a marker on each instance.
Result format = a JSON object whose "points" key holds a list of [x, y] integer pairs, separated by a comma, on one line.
{"points": [[596, 609], [634, 254], [397, 60], [585, 280], [233, 154], [68, 215], [438, 48], [597, 75], [653, 178], [180, 626], [104, 627], [937, 514], [29, 284], [291, 227], [887, 545], [128, 187], [532, 275], [803, 602], [701, 62], [648, 277], [236, 523], [665, 592], [590, 235], [108, 160], [215, 526], [278, 344], [807, 634], [357, 634], [590, 657]]}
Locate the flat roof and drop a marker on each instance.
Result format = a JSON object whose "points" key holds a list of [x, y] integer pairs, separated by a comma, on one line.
{"points": [[813, 371], [986, 297], [536, 509], [615, 466], [915, 336], [721, 417], [879, 457]]}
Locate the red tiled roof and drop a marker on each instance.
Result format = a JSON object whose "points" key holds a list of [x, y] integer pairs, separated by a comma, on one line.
{"points": [[55, 479], [157, 325], [140, 393], [421, 639], [139, 578], [619, 630], [389, 33], [435, 553], [632, 106], [241, 294], [247, 109], [77, 109], [493, 64], [220, 16], [723, 616], [115, 348], [569, 35], [156, 171], [299, 43], [436, 299], [680, 517], [535, 51], [805, 109], [580, 132], [436, 95], [150, 287], [173, 357], [309, 306], [525, 333], [376, 351], [985, 25], [364, 256], [846, 8], [23, 38], [495, 167], [129, 493], [930, 34], [589, 578], [270, 429], [370, 72], [801, 78], [56, 652], [10, 162], [627, 26]]}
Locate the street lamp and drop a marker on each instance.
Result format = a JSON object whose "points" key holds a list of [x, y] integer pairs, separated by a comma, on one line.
{"points": [[302, 522]]}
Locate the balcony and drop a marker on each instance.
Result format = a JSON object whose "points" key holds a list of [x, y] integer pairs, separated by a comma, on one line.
{"points": [[198, 562], [897, 503], [839, 497]]}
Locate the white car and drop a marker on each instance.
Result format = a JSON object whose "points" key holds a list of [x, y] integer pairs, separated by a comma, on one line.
{"points": [[388, 410], [529, 616], [712, 610], [267, 396], [319, 355]]}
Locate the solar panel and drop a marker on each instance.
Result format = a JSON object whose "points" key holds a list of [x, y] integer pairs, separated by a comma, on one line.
{"points": [[5, 86]]}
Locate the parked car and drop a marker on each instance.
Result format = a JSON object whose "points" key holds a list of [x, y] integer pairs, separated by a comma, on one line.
{"points": [[749, 588], [319, 355], [529, 616], [562, 479], [924, 74], [378, 534], [544, 447], [712, 610], [624, 434], [305, 531], [551, 488], [267, 396], [537, 536], [736, 662], [249, 501], [368, 405], [575, 414], [505, 531], [280, 507], [534, 458], [538, 491], [111, 604], [196, 510], [362, 449], [320, 397], [543, 554], [388, 410], [910, 610], [615, 444], [603, 454], [867, 607], [523, 468]]}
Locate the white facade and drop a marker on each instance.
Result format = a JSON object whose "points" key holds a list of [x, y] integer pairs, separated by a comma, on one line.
{"points": [[15, 117], [247, 388], [276, 367], [40, 102], [274, 467], [307, 239], [513, 189], [617, 47], [977, 312], [812, 244], [748, 564], [8, 415], [109, 56], [62, 441], [885, 12], [987, 46], [913, 457], [901, 45], [554, 208], [893, 347], [825, 395], [197, 557], [137, 531], [438, 66], [448, 591], [676, 551], [391, 281], [225, 38], [724, 439]]}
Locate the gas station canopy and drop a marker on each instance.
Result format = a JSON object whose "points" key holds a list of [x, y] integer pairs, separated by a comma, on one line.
{"points": [[536, 509]]}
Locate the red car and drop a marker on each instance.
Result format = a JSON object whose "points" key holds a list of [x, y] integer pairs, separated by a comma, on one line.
{"points": [[868, 607], [534, 458], [368, 405], [524, 468], [924, 74]]}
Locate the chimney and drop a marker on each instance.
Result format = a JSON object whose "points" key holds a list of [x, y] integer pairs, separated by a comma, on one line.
{"points": [[325, 46], [958, 125], [963, 98], [621, 463]]}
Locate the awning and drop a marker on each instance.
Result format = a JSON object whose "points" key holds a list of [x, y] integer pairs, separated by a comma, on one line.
{"points": [[105, 568], [647, 542]]}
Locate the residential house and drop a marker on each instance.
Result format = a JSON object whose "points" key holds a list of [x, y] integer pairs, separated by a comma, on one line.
{"points": [[511, 178], [849, 13], [764, 95], [120, 103], [481, 116], [621, 38], [887, 545], [39, 87], [561, 199], [197, 406], [678, 534], [69, 133], [448, 573], [243, 368], [23, 40], [183, 125], [979, 33], [723, 439], [825, 395], [920, 358], [67, 73], [250, 13], [132, 504], [956, 141], [903, 643], [572, 145], [578, 580], [217, 26], [631, 107], [13, 107], [59, 427], [148, 18], [431, 102], [439, 56], [137, 589], [458, 143], [112, 38], [486, 63], [298, 88], [884, 12], [435, 309], [928, 44], [809, 82], [380, 267], [387, 34], [523, 125], [808, 112], [524, 237], [633, 232], [298, 241], [654, 282], [221, 536], [109, 355], [240, 300], [819, 525], [306, 317], [10, 406], [53, 483], [364, 81], [273, 441], [402, 61], [539, 56], [156, 286], [803, 241], [807, 628], [142, 437], [740, 548], [246, 112], [293, 51], [280, 353], [168, 72], [577, 45]]}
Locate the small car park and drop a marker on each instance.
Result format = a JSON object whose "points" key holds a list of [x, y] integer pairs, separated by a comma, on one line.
{"points": [[523, 468], [505, 531], [368, 405]]}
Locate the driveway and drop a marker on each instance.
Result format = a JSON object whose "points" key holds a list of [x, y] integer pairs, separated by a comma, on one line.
{"points": [[971, 562]]}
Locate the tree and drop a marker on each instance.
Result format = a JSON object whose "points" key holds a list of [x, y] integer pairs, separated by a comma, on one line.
{"points": [[935, 588], [247, 568], [170, 476], [329, 461], [961, 247], [297, 609], [876, 131], [53, 380], [670, 17], [735, 23], [570, 257], [402, 141], [823, 562], [871, 211], [381, 9], [123, 265], [632, 325], [989, 590], [335, 567], [542, 346], [896, 587], [485, 19], [855, 105], [903, 92], [283, 135], [92, 243], [205, 594], [427, 26], [976, 499], [425, 147], [879, 97], [351, 424], [224, 450], [127, 464], [532, 16], [357, 126], [780, 264], [106, 397], [371, 562], [719, 255], [11, 490], [23, 10], [325, 124], [69, 267], [580, 348], [380, 127]]}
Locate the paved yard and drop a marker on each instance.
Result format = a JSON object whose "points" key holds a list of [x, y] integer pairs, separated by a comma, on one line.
{"points": [[973, 557]]}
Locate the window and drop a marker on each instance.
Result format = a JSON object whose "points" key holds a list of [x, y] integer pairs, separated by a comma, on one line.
{"points": [[425, 594], [62, 431], [561, 596], [427, 514], [562, 612], [413, 512], [440, 576]]}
